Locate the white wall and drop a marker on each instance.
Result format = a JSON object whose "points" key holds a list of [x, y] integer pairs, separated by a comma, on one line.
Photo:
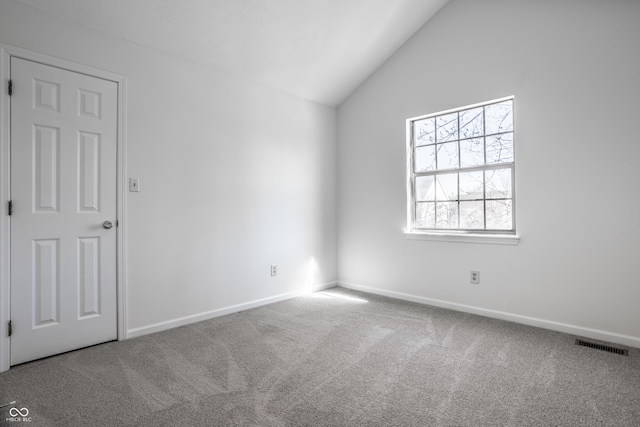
{"points": [[574, 68], [234, 176]]}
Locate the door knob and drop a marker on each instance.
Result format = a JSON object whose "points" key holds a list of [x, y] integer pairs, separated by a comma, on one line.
{"points": [[107, 224]]}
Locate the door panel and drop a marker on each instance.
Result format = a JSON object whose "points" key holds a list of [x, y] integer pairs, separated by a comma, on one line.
{"points": [[89, 172], [46, 154], [46, 285], [63, 187], [89, 280]]}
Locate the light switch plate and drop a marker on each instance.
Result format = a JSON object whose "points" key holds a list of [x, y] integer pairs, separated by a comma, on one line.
{"points": [[134, 185]]}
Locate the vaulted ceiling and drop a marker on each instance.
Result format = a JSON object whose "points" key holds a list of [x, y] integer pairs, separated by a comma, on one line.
{"points": [[315, 49]]}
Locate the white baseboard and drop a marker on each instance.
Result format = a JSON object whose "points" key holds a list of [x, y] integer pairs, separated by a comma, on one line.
{"points": [[596, 334], [194, 318]]}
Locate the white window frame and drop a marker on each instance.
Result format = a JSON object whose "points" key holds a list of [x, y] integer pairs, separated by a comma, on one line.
{"points": [[508, 237]]}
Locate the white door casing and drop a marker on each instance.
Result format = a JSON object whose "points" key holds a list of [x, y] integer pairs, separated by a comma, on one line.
{"points": [[63, 188]]}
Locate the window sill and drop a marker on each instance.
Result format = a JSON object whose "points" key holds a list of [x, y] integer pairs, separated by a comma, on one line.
{"points": [[493, 239]]}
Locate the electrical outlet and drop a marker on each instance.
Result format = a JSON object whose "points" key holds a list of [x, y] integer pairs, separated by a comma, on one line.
{"points": [[475, 277], [274, 270]]}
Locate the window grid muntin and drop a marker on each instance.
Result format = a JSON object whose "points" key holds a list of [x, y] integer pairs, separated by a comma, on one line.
{"points": [[485, 167]]}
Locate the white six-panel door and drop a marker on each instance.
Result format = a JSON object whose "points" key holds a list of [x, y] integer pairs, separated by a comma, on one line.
{"points": [[63, 189]]}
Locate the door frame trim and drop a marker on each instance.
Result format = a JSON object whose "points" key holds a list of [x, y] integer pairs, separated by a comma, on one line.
{"points": [[6, 52]]}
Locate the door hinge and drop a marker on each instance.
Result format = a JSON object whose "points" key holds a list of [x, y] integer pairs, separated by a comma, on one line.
{"points": [[10, 207], [9, 329], [10, 87]]}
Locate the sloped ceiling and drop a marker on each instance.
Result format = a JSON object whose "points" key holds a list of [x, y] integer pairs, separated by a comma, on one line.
{"points": [[315, 49]]}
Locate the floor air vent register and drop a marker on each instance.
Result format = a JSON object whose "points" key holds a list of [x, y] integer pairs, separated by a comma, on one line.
{"points": [[603, 347]]}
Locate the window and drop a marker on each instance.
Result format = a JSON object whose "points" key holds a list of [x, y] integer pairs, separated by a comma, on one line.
{"points": [[461, 170]]}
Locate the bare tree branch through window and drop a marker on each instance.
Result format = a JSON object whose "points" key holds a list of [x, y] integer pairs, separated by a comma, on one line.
{"points": [[462, 168]]}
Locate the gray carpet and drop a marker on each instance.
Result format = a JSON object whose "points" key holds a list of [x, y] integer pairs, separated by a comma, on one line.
{"points": [[334, 358]]}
